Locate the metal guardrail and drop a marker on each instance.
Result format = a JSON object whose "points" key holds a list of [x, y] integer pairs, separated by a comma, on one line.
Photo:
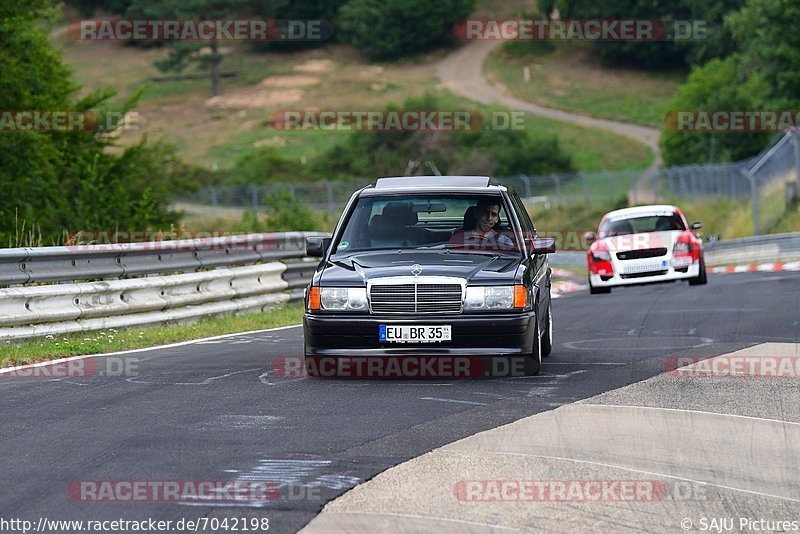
{"points": [[762, 249], [138, 284], [766, 248]]}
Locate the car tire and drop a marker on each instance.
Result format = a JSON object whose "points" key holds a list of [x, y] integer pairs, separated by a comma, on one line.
{"points": [[700, 279], [598, 290], [547, 338], [533, 361]]}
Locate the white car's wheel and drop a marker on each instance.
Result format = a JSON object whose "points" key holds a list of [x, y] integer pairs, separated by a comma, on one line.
{"points": [[597, 290], [700, 279]]}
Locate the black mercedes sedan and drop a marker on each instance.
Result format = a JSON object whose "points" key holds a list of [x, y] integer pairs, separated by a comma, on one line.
{"points": [[446, 269]]}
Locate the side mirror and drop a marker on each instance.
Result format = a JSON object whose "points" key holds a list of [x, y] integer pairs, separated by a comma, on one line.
{"points": [[590, 237], [697, 225], [543, 245], [316, 247]]}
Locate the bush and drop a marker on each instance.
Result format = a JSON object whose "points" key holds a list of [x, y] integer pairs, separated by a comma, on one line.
{"points": [[479, 152], [286, 213], [266, 165]]}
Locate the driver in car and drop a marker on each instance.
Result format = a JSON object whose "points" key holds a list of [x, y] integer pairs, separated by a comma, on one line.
{"points": [[479, 229]]}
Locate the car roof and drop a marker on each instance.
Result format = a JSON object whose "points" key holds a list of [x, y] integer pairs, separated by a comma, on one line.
{"points": [[415, 183], [641, 211]]}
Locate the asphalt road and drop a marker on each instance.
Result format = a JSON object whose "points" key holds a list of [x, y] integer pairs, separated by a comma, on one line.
{"points": [[214, 410]]}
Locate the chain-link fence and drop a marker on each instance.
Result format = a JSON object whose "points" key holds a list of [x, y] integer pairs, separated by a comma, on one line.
{"points": [[768, 181]]}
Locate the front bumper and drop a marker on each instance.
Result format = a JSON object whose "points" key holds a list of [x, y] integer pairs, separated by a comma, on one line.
{"points": [[669, 273], [472, 335]]}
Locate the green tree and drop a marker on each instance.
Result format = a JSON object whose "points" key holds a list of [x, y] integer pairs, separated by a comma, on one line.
{"points": [[204, 54], [766, 32], [647, 54], [718, 85], [718, 41], [394, 28], [57, 181]]}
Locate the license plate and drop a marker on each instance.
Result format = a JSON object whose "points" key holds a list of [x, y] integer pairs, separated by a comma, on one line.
{"points": [[414, 333]]}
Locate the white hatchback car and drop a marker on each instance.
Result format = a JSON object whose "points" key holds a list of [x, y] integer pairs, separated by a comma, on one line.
{"points": [[642, 245]]}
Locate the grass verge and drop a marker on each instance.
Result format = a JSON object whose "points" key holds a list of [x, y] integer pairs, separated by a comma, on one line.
{"points": [[570, 78], [103, 341]]}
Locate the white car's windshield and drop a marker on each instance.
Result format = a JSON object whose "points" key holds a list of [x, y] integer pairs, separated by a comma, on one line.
{"points": [[638, 225]]}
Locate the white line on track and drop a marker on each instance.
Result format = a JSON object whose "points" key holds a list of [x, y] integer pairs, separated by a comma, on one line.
{"points": [[427, 517], [453, 400], [650, 473], [585, 363], [688, 411], [205, 382]]}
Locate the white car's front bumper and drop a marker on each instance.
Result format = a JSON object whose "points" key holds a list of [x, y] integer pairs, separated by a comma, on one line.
{"points": [[629, 272]]}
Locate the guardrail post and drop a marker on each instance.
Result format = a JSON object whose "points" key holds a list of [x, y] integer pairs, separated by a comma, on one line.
{"points": [[329, 190], [585, 187], [213, 193], [754, 200], [796, 145], [527, 182], [254, 196], [557, 180]]}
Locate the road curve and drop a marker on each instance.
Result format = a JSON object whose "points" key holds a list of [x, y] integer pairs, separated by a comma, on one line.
{"points": [[461, 72], [217, 410]]}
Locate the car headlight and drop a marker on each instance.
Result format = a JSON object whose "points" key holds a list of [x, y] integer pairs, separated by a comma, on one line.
{"points": [[489, 298], [343, 298]]}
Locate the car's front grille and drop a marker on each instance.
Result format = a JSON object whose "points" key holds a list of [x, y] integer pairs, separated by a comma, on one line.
{"points": [[643, 253], [644, 274], [415, 298]]}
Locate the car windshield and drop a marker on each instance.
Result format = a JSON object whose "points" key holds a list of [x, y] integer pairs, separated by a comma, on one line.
{"points": [[475, 223], [638, 225]]}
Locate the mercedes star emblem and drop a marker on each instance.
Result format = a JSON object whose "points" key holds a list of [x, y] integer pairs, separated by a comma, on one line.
{"points": [[416, 270]]}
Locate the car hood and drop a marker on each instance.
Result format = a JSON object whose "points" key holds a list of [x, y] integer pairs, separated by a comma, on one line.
{"points": [[641, 241], [360, 267]]}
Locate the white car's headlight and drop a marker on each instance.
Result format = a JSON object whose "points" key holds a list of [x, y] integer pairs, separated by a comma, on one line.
{"points": [[343, 298], [489, 298]]}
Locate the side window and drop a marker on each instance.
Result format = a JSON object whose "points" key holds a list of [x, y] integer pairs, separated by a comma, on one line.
{"points": [[524, 220]]}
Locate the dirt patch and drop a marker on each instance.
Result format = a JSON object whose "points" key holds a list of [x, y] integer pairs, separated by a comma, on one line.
{"points": [[289, 81], [270, 141], [315, 65], [255, 98], [371, 71]]}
